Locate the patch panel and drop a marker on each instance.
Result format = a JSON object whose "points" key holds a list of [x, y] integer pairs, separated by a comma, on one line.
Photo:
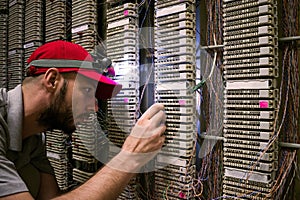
{"points": [[248, 144], [251, 73], [184, 16], [251, 84], [265, 178], [251, 22], [252, 154], [256, 62], [240, 43], [181, 7], [248, 164], [121, 8], [168, 3], [252, 125], [237, 5], [254, 186], [249, 115]]}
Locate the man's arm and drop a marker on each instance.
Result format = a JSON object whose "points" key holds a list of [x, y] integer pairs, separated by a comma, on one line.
{"points": [[18, 196], [48, 190], [107, 184], [141, 146], [48, 187]]}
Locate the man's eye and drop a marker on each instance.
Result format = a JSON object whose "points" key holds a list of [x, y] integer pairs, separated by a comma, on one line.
{"points": [[87, 90]]}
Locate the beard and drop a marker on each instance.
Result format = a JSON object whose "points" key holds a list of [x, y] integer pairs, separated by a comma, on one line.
{"points": [[58, 115]]}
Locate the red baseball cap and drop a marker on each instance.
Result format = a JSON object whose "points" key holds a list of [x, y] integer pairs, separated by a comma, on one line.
{"points": [[70, 57]]}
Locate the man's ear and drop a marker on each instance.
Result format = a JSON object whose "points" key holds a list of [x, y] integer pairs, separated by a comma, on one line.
{"points": [[51, 79]]}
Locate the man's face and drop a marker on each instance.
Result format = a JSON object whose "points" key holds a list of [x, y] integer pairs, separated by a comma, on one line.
{"points": [[59, 114], [83, 98], [73, 104]]}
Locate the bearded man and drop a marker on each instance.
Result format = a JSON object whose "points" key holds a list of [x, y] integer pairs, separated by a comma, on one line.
{"points": [[60, 91]]}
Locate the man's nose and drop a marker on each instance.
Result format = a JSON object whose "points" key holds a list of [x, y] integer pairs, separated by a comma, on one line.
{"points": [[92, 106]]}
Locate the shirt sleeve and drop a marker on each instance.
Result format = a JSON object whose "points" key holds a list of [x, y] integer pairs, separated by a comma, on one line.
{"points": [[30, 162], [10, 181]]}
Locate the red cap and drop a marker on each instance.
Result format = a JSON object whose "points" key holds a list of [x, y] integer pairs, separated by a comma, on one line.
{"points": [[70, 57]]}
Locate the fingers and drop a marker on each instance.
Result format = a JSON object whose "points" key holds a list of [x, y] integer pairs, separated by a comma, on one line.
{"points": [[155, 108], [159, 144], [158, 138], [159, 130], [159, 118], [147, 134], [149, 127]]}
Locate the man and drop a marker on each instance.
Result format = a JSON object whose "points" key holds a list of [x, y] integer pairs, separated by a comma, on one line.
{"points": [[59, 92]]}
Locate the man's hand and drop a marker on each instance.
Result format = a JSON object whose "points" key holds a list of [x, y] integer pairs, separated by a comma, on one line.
{"points": [[144, 141], [147, 135]]}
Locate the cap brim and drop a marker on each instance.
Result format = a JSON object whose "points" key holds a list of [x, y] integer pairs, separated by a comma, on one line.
{"points": [[107, 88]]}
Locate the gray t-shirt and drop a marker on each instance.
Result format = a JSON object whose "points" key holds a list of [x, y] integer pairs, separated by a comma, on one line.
{"points": [[20, 160]]}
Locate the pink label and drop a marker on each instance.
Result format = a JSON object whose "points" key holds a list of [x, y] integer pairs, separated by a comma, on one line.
{"points": [[263, 104], [182, 195], [126, 100], [181, 102], [125, 12]]}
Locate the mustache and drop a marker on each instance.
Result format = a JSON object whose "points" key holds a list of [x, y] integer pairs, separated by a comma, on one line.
{"points": [[87, 117], [92, 120]]}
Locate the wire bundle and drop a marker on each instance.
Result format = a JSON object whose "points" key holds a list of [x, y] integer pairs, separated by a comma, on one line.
{"points": [[289, 92], [210, 170]]}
